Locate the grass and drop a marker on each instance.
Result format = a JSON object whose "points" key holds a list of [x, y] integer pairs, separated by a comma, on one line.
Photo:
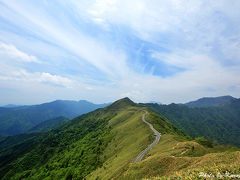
{"points": [[213, 163], [131, 136], [172, 158]]}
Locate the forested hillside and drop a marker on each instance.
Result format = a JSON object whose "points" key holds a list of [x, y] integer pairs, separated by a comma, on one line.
{"points": [[49, 124], [215, 123]]}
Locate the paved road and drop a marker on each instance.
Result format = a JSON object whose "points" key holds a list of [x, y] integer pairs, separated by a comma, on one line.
{"points": [[157, 138]]}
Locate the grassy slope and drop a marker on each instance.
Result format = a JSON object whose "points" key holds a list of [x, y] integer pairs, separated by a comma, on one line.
{"points": [[174, 156], [174, 160], [131, 136]]}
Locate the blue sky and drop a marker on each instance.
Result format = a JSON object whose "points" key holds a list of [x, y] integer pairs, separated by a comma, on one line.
{"points": [[103, 50]]}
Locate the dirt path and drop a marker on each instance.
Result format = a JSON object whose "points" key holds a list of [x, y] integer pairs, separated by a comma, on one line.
{"points": [[157, 138]]}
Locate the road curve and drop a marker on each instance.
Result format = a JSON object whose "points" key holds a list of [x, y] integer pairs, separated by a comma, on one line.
{"points": [[157, 138]]}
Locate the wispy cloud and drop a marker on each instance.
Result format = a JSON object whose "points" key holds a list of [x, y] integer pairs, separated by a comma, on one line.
{"points": [[70, 38], [9, 73], [173, 50], [10, 51]]}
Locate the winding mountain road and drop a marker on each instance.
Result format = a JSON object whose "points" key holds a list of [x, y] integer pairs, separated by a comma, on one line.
{"points": [[157, 138]]}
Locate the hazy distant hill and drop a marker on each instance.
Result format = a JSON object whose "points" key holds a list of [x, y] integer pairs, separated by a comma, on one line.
{"points": [[11, 106], [21, 119], [210, 101], [154, 102], [216, 123], [103, 144]]}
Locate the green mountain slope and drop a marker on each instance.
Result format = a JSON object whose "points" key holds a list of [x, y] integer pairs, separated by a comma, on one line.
{"points": [[103, 144], [78, 145], [49, 124], [74, 146], [21, 119], [215, 123]]}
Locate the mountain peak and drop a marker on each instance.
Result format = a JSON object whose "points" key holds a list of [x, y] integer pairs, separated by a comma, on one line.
{"points": [[125, 100], [122, 103]]}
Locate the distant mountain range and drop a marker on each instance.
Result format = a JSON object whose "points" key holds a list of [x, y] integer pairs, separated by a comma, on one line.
{"points": [[155, 102], [20, 119], [204, 118], [211, 101], [16, 119], [11, 106]]}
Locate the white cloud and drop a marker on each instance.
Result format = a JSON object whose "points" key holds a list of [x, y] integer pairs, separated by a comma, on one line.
{"points": [[201, 73], [10, 51], [231, 48], [15, 74], [178, 59], [146, 17], [195, 25], [190, 31], [104, 57], [55, 79]]}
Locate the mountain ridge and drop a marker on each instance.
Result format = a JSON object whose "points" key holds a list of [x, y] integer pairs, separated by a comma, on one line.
{"points": [[210, 101], [21, 119], [96, 129], [220, 123]]}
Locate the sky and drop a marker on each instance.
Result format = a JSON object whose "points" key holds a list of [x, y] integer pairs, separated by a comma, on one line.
{"points": [[102, 50]]}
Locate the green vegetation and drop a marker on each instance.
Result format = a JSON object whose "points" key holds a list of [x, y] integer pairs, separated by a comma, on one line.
{"points": [[161, 124], [131, 136], [214, 123], [67, 150], [103, 144], [49, 124], [203, 141]]}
